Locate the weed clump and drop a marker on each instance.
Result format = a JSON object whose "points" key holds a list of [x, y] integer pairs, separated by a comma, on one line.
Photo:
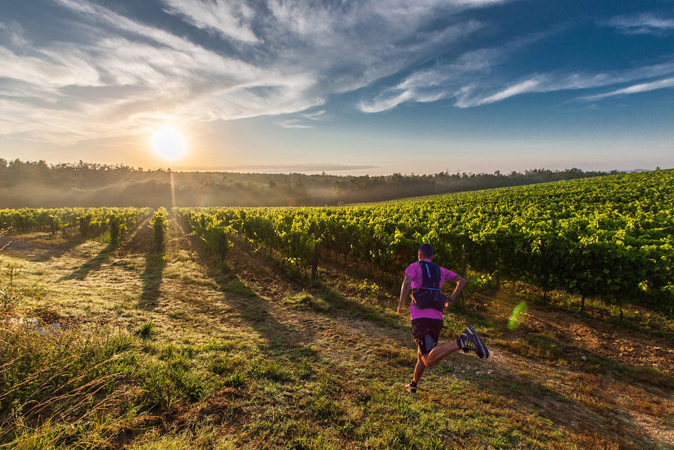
{"points": [[235, 380], [146, 330], [305, 301]]}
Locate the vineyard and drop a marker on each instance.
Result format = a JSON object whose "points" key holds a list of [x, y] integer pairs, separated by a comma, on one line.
{"points": [[609, 237]]}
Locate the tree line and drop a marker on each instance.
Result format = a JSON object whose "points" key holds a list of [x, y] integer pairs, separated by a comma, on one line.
{"points": [[36, 184]]}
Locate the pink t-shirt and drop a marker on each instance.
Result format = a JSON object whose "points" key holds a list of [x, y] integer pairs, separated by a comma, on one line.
{"points": [[414, 271]]}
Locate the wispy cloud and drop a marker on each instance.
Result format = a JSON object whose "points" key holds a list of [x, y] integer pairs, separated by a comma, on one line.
{"points": [[475, 79], [555, 82], [300, 120], [100, 73], [642, 24], [293, 123], [108, 74], [316, 115], [636, 89], [469, 73], [230, 19]]}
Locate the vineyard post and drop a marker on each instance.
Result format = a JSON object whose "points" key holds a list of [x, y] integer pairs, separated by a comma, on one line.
{"points": [[114, 230], [462, 270], [222, 246], [314, 267], [464, 263]]}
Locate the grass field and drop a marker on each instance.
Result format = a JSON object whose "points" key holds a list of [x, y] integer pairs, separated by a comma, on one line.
{"points": [[176, 351]]}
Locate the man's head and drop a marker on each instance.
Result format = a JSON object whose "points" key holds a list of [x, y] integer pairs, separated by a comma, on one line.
{"points": [[425, 252]]}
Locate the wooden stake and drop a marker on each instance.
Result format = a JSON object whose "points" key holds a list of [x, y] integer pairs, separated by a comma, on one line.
{"points": [[314, 267], [462, 272], [464, 264]]}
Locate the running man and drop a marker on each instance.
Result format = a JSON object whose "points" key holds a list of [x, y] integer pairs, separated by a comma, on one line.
{"points": [[427, 323]]}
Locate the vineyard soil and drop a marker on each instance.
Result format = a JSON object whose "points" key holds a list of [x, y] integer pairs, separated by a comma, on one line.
{"points": [[195, 353]]}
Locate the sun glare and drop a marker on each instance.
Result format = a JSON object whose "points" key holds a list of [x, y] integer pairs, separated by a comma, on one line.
{"points": [[168, 143]]}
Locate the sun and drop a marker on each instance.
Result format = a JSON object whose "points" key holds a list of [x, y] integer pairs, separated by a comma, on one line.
{"points": [[168, 143]]}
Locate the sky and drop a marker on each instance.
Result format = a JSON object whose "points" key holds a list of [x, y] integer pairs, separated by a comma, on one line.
{"points": [[345, 87]]}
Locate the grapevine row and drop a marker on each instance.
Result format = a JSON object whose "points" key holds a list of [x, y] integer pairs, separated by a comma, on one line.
{"points": [[89, 222]]}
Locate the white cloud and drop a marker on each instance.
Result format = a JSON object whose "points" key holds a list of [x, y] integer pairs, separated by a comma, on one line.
{"points": [[108, 74], [299, 122], [554, 82], [458, 79], [384, 103], [530, 85], [230, 19], [293, 123], [641, 24], [637, 88], [474, 80], [317, 115]]}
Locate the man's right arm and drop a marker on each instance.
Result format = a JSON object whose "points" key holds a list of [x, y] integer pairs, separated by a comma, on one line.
{"points": [[404, 290], [460, 284]]}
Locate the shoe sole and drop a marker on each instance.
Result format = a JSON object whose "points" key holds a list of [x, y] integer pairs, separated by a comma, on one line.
{"points": [[485, 351], [410, 389]]}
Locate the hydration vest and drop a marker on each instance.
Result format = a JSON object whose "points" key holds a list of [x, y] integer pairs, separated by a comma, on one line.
{"points": [[429, 295]]}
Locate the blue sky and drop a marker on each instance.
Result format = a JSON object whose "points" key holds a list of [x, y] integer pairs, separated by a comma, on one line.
{"points": [[375, 87]]}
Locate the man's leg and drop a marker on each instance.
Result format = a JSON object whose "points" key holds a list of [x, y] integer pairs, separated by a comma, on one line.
{"points": [[432, 358], [436, 355], [426, 333], [419, 368]]}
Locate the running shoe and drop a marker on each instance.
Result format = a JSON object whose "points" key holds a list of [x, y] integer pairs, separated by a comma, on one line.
{"points": [[411, 388], [471, 341]]}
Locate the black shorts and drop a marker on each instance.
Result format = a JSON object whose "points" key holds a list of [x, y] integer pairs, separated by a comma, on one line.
{"points": [[426, 333]]}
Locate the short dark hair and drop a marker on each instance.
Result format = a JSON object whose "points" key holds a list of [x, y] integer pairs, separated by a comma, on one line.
{"points": [[426, 250]]}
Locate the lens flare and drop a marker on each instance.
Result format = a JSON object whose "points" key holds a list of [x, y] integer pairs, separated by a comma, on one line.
{"points": [[168, 143], [518, 316]]}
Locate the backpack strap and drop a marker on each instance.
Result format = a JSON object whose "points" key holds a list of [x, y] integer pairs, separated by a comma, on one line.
{"points": [[428, 277]]}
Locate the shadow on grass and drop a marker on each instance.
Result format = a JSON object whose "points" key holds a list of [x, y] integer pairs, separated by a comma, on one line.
{"points": [[57, 251], [252, 308], [353, 308], [321, 298], [93, 264], [152, 278]]}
